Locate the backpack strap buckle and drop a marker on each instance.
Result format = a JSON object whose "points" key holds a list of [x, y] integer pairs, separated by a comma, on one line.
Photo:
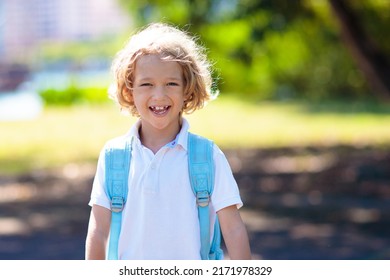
{"points": [[202, 198], [117, 204]]}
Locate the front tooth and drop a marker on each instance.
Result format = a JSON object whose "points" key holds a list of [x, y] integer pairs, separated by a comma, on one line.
{"points": [[159, 108]]}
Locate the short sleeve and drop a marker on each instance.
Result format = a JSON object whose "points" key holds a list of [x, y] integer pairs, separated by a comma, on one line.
{"points": [[226, 192], [98, 194]]}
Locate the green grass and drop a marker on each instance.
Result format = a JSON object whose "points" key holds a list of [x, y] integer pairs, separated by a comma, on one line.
{"points": [[76, 134], [237, 124]]}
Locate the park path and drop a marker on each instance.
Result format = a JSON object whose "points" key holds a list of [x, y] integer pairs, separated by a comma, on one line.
{"points": [[299, 204]]}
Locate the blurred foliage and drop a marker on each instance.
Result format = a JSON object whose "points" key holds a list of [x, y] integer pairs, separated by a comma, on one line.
{"points": [[74, 95], [375, 18], [274, 49], [262, 49]]}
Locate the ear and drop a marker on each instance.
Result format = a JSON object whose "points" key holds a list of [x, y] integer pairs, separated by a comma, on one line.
{"points": [[128, 94], [188, 97]]}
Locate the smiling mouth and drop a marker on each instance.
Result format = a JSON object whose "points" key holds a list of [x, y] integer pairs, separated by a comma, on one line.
{"points": [[159, 110]]}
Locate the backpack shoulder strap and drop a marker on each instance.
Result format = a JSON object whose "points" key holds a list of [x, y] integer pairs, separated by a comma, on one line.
{"points": [[201, 170], [117, 163], [201, 167]]}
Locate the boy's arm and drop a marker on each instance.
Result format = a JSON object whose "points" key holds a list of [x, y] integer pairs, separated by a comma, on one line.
{"points": [[98, 231], [234, 233]]}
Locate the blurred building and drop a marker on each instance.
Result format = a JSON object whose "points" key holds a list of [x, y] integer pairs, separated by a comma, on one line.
{"points": [[26, 24]]}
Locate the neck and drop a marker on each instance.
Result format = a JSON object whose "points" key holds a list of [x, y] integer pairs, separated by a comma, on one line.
{"points": [[154, 138]]}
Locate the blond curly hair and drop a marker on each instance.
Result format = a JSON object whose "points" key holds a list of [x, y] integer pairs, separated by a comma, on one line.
{"points": [[171, 44]]}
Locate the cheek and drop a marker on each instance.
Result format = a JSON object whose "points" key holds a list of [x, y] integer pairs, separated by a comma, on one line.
{"points": [[139, 101], [180, 97]]}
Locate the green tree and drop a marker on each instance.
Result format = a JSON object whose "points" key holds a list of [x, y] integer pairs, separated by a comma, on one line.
{"points": [[371, 58], [273, 48]]}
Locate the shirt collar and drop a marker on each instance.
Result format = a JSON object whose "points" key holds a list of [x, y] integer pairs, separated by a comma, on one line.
{"points": [[181, 137]]}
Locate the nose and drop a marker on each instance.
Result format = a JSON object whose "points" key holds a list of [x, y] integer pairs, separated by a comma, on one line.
{"points": [[159, 92]]}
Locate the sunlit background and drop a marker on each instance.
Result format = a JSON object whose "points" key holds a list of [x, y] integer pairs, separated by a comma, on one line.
{"points": [[303, 117]]}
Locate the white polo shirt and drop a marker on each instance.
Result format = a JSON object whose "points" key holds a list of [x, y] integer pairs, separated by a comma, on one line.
{"points": [[160, 218]]}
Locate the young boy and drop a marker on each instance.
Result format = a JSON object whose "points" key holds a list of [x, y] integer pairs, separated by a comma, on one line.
{"points": [[161, 74]]}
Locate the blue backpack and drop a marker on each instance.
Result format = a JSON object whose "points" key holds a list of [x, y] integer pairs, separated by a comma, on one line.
{"points": [[201, 170]]}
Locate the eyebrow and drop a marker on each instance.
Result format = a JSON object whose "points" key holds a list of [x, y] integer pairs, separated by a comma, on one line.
{"points": [[175, 79]]}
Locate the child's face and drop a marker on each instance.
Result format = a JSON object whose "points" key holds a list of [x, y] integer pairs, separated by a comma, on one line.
{"points": [[158, 92]]}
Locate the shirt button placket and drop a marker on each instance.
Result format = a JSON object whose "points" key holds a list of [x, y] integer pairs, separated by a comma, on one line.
{"points": [[154, 173]]}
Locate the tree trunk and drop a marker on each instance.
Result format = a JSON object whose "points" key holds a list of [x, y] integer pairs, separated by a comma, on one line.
{"points": [[372, 62]]}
